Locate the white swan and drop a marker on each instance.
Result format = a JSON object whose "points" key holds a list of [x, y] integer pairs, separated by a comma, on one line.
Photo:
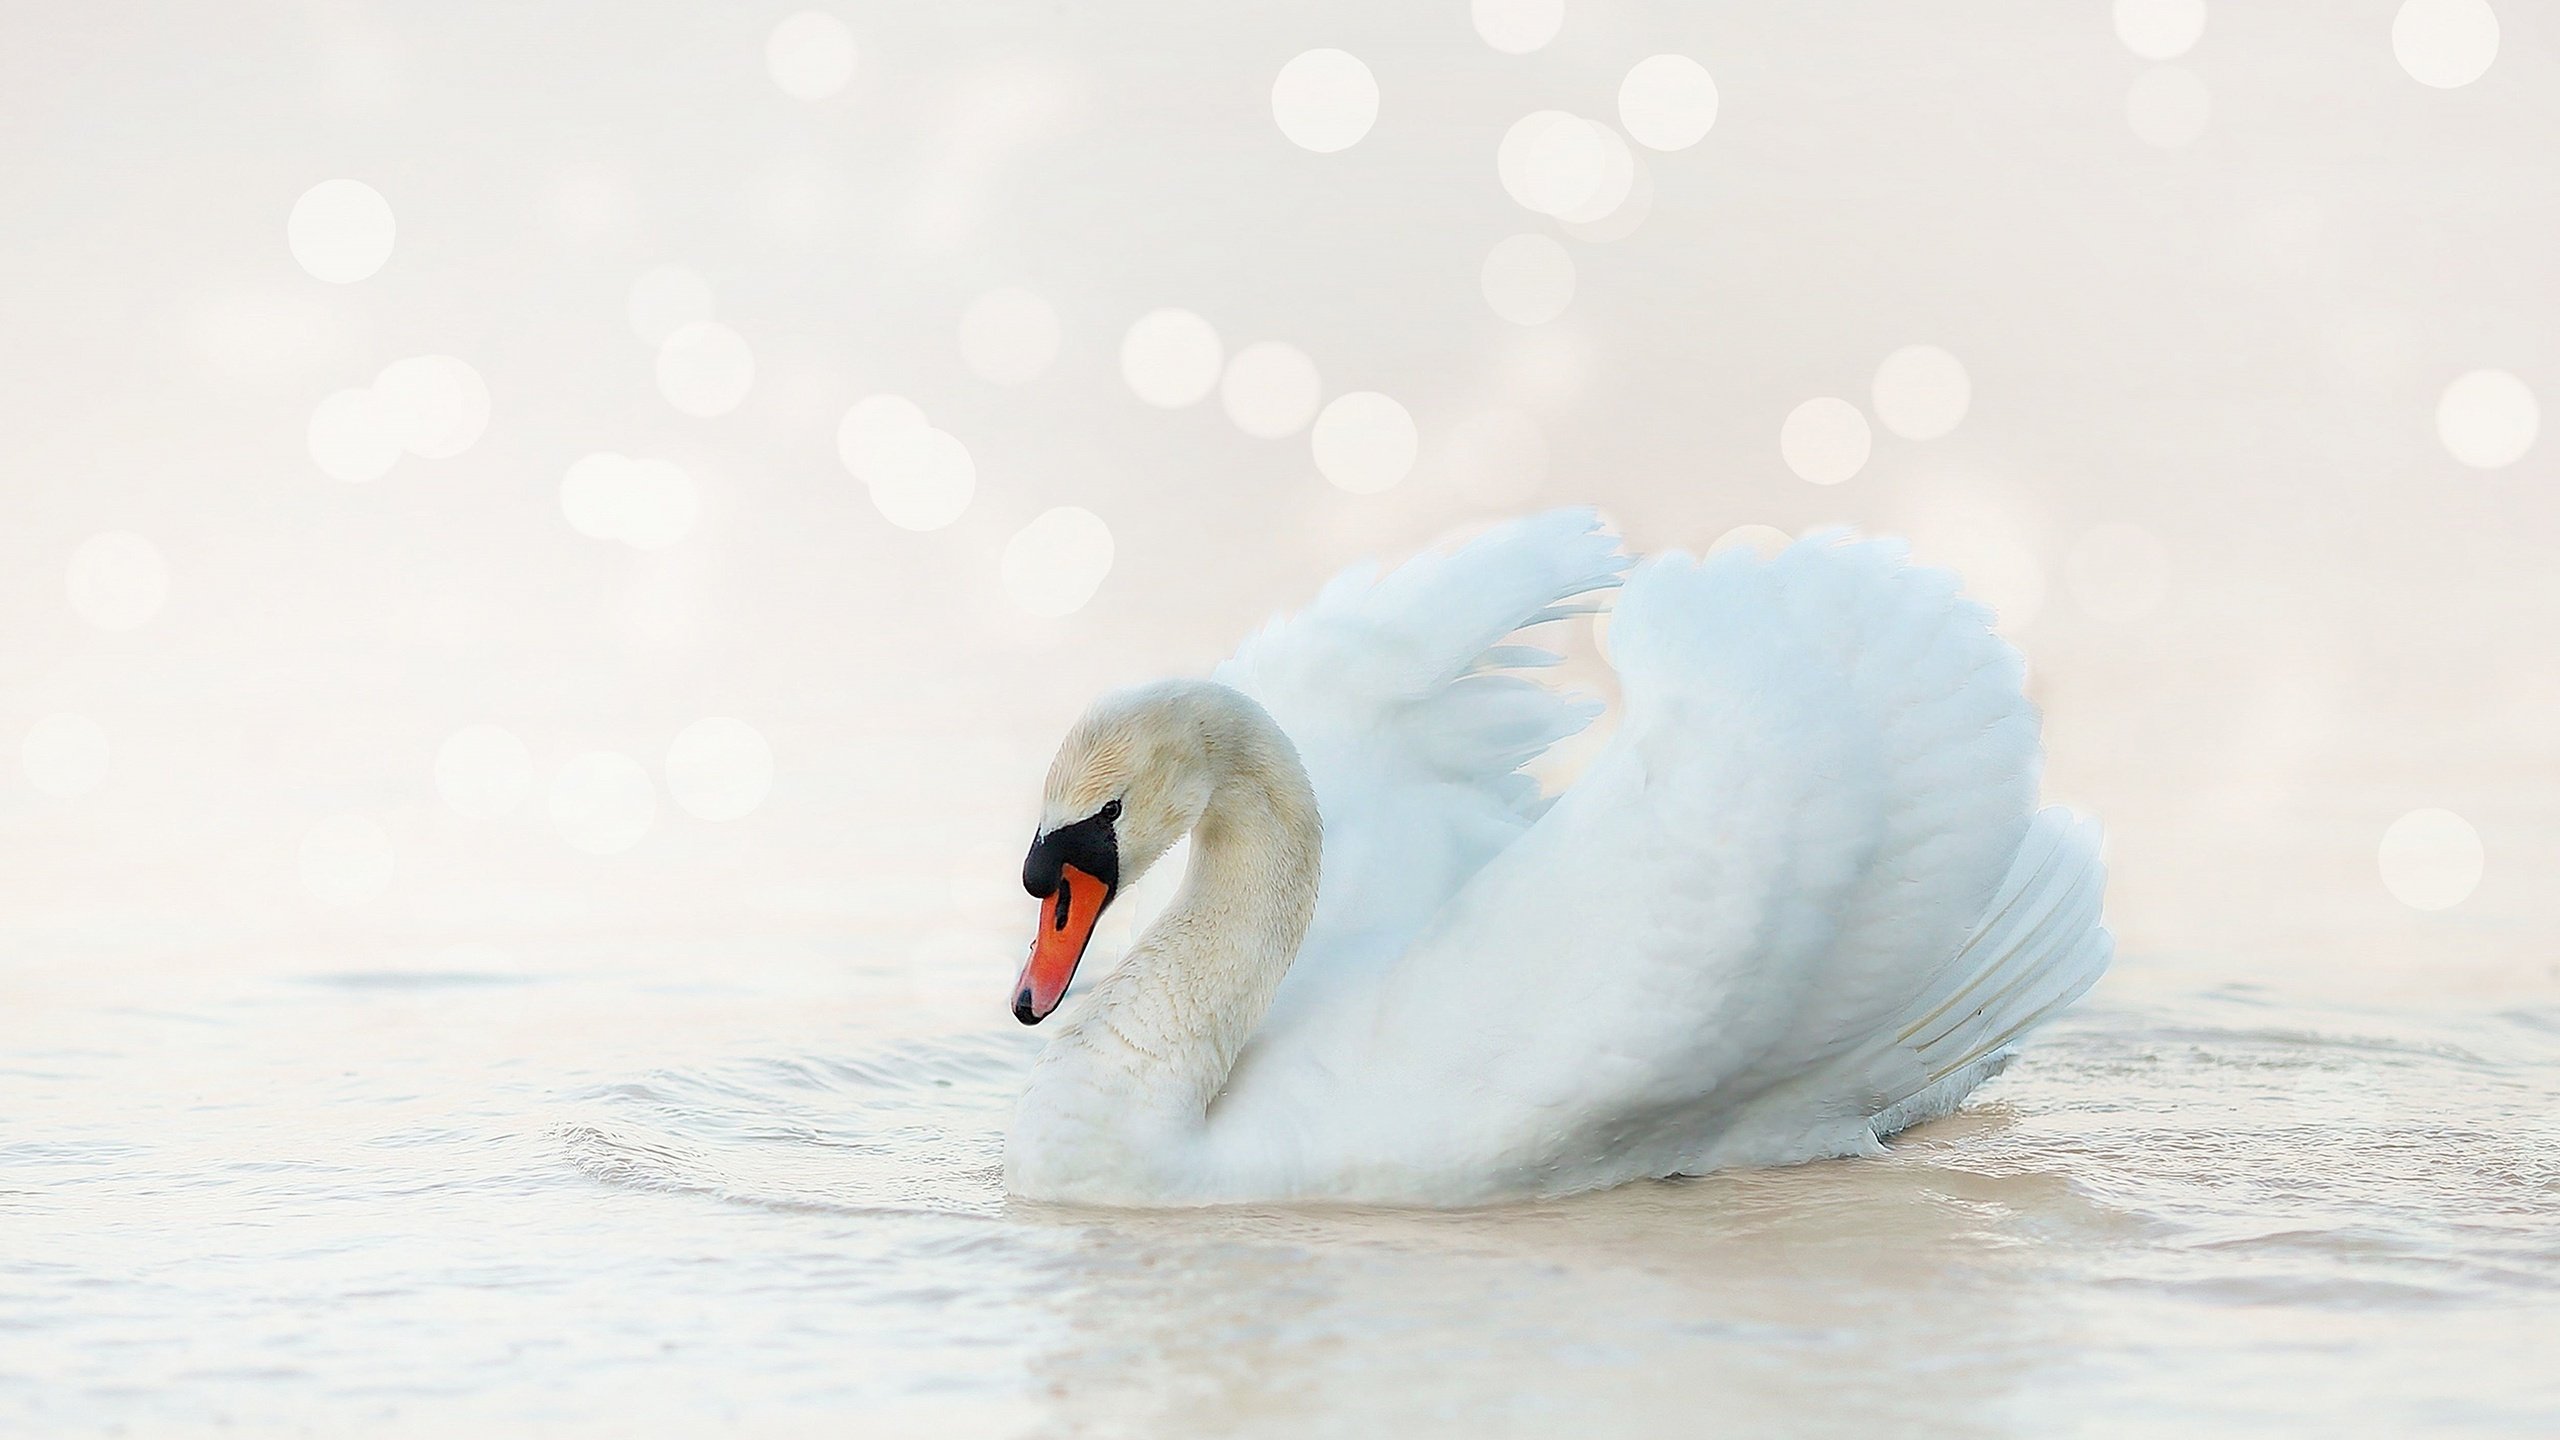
{"points": [[1802, 899]]}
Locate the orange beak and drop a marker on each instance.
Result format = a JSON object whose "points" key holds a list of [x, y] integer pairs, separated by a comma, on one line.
{"points": [[1066, 926]]}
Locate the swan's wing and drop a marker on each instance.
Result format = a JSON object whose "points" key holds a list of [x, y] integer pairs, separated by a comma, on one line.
{"points": [[1825, 769], [1393, 689]]}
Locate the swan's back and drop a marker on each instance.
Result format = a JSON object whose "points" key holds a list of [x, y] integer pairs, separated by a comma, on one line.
{"points": [[1802, 898]]}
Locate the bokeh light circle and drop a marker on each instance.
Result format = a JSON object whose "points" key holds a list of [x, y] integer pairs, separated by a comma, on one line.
{"points": [[602, 803], [1761, 539], [1667, 102], [720, 768], [355, 436], [1528, 279], [2487, 419], [1517, 27], [1270, 389], [2117, 572], [2168, 106], [341, 231], [1825, 440], [1008, 336], [1365, 442], [64, 755], [705, 369], [665, 299], [1053, 565], [1617, 180], [2445, 43], [1548, 160], [346, 860], [439, 405], [1325, 100], [1922, 392], [1628, 214], [590, 495], [1171, 358], [2431, 859], [1499, 456], [483, 771], [117, 580], [1560, 164], [810, 55], [921, 479], [2159, 29], [870, 425]]}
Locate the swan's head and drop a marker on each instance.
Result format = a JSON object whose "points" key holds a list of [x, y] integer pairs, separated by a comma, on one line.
{"points": [[1132, 778]]}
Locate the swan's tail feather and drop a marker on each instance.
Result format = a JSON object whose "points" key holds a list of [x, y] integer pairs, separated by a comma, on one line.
{"points": [[2039, 946]]}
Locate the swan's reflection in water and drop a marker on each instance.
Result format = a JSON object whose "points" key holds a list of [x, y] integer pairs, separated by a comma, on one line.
{"points": [[1754, 1300]]}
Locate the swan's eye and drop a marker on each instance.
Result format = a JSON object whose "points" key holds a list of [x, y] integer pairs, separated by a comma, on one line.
{"points": [[1110, 809]]}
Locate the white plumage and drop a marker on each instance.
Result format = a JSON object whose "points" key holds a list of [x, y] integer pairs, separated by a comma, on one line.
{"points": [[1801, 899]]}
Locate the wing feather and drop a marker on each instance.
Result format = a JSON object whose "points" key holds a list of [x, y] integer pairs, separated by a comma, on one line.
{"points": [[1825, 770], [1395, 688]]}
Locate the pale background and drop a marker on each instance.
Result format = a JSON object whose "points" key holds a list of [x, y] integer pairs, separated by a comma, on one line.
{"points": [[2210, 289]]}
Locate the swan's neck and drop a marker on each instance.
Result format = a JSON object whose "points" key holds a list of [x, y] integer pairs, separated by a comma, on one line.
{"points": [[1137, 1069]]}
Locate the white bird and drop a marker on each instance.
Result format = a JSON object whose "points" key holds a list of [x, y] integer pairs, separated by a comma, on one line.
{"points": [[1802, 899]]}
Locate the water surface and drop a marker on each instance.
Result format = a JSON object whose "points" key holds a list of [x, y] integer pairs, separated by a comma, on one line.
{"points": [[691, 1188]]}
